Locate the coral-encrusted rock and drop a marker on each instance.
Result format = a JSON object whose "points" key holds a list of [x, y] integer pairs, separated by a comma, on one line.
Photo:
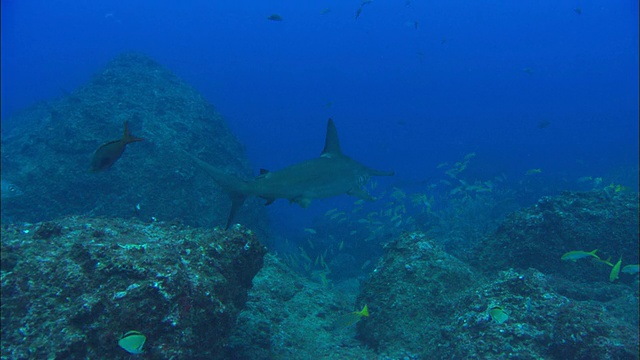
{"points": [[425, 304], [542, 324], [538, 236], [411, 295], [72, 295]]}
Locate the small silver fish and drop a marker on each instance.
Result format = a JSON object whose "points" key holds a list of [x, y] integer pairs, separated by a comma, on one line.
{"points": [[10, 190]]}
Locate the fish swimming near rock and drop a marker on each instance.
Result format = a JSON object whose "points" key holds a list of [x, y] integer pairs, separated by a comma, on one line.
{"points": [[350, 318], [132, 342], [498, 315], [331, 174], [615, 271], [10, 190], [576, 255], [108, 153], [630, 269]]}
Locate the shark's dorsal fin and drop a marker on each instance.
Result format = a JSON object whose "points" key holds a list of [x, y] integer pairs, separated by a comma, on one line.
{"points": [[331, 142]]}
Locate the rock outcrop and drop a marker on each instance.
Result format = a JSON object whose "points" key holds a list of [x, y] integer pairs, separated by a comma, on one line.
{"points": [[72, 287], [48, 152]]}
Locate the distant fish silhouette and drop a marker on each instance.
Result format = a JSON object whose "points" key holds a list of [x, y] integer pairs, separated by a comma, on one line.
{"points": [[108, 153], [359, 11], [578, 11], [543, 124], [275, 17]]}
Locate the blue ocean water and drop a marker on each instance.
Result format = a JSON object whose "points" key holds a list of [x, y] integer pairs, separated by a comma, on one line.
{"points": [[520, 99], [410, 84]]}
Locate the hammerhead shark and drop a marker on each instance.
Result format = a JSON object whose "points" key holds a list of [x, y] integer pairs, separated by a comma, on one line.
{"points": [[331, 174]]}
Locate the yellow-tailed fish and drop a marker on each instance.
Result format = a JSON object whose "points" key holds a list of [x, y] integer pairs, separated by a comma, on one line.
{"points": [[578, 254], [630, 269], [132, 342], [615, 271], [498, 315], [350, 318]]}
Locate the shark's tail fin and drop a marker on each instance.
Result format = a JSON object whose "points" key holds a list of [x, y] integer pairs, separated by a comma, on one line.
{"points": [[235, 187]]}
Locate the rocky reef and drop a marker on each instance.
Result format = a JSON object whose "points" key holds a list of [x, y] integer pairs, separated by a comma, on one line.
{"points": [[424, 304], [72, 287], [525, 303], [538, 236], [48, 149]]}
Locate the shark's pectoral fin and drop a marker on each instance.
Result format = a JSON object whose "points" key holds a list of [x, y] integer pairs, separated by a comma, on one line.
{"points": [[263, 173], [236, 203], [361, 193]]}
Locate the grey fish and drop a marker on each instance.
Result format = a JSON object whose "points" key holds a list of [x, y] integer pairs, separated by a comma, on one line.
{"points": [[10, 190], [331, 174]]}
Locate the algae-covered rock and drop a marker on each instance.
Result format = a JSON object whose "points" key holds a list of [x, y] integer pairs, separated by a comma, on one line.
{"points": [[75, 293], [538, 236], [411, 294], [425, 304], [542, 324], [48, 151], [288, 316]]}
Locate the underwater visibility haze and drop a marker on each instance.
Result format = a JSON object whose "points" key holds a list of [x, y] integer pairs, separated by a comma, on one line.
{"points": [[442, 179]]}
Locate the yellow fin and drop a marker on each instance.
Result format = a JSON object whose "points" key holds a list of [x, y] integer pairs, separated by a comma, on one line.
{"points": [[350, 318]]}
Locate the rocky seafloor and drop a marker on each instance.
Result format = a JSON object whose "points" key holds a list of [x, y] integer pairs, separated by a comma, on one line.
{"points": [[72, 287]]}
